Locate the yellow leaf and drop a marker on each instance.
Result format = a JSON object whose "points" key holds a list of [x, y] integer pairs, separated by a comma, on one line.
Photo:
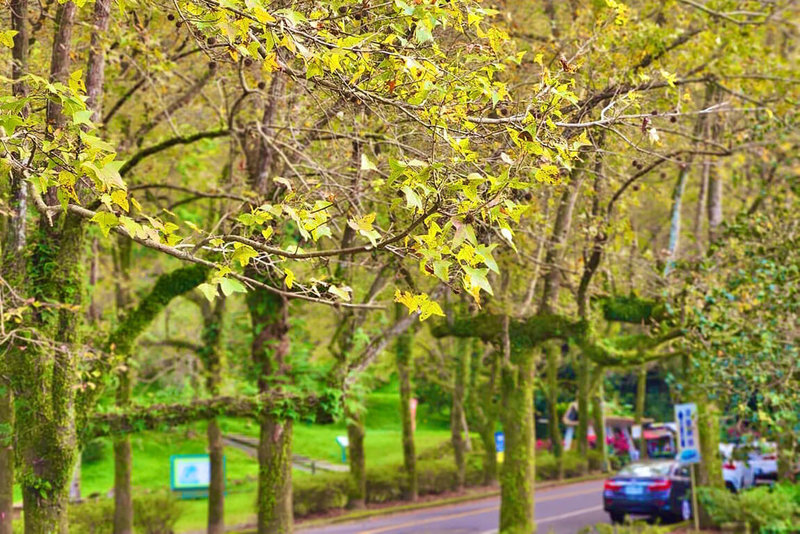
{"points": [[262, 15], [289, 280], [120, 198]]}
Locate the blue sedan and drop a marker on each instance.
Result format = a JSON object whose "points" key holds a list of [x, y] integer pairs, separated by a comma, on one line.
{"points": [[658, 490]]}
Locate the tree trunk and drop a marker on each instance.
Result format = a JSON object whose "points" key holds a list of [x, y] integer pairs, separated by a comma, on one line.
{"points": [[216, 488], [600, 425], [786, 455], [6, 454], [357, 460], [123, 494], [641, 395], [517, 478], [709, 470], [461, 360], [211, 356], [582, 433], [714, 203], [269, 315], [553, 354], [675, 218], [275, 476], [405, 363]]}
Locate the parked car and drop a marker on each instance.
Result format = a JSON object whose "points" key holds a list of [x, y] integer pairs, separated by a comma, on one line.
{"points": [[738, 474], [764, 461], [659, 490]]}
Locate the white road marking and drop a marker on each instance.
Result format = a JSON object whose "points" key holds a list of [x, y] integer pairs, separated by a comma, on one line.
{"points": [[557, 517]]}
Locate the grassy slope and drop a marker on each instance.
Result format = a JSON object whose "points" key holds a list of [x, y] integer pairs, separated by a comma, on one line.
{"points": [[151, 452]]}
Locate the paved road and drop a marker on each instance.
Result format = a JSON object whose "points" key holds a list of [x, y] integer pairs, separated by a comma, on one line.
{"points": [[561, 510]]}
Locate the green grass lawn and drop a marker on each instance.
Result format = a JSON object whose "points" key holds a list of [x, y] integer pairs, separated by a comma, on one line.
{"points": [[152, 451]]}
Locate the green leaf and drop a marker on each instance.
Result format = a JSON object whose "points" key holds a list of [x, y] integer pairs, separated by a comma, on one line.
{"points": [[243, 254], [106, 220], [208, 290], [412, 199], [367, 164], [229, 286], [341, 292]]}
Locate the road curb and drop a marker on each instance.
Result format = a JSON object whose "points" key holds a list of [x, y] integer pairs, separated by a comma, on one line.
{"points": [[411, 507]]}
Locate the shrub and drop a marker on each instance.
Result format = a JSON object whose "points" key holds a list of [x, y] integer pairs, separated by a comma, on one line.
{"points": [[156, 513], [765, 510], [721, 505], [94, 451], [92, 517], [320, 493]]}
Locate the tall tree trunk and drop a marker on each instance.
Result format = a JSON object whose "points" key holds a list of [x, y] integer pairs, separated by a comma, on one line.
{"points": [[553, 357], [275, 476], [641, 395], [216, 487], [709, 470], [95, 71], [584, 416], [123, 493], [714, 203], [6, 453], [461, 360], [12, 269], [517, 479], [211, 356], [485, 412], [358, 468], [405, 364], [269, 315], [598, 410], [786, 455]]}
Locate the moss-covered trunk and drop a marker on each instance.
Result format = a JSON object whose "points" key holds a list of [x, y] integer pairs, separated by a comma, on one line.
{"points": [[216, 488], [517, 478], [600, 425], [584, 416], [275, 476], [460, 377], [786, 455], [483, 407], [405, 362], [6, 454], [211, 355], [123, 462], [641, 394], [553, 354], [269, 316], [709, 470], [357, 459]]}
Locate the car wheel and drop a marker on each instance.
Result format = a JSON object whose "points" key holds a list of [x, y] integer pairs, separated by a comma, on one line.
{"points": [[617, 517], [731, 487], [686, 510]]}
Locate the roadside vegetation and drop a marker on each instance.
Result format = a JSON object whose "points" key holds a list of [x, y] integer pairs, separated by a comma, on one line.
{"points": [[406, 225]]}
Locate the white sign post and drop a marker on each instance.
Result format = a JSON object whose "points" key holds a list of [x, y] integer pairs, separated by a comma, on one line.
{"points": [[689, 446]]}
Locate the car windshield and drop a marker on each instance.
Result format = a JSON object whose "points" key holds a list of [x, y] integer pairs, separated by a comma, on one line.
{"points": [[645, 470]]}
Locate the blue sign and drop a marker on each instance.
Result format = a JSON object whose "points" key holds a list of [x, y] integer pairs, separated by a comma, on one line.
{"points": [[499, 442], [688, 435]]}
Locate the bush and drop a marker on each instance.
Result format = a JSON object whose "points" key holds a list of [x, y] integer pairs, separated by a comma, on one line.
{"points": [[766, 510], [92, 517], [94, 451], [763, 509], [156, 513], [321, 493], [721, 505], [547, 465]]}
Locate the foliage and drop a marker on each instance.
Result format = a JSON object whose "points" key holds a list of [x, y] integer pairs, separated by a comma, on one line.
{"points": [[156, 513], [764, 509], [92, 517]]}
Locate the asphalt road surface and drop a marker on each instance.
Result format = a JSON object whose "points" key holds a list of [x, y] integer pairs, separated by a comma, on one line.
{"points": [[561, 510]]}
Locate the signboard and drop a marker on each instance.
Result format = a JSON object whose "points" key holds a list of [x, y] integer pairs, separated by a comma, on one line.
{"points": [[343, 442], [688, 436], [636, 431], [189, 472], [500, 445]]}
